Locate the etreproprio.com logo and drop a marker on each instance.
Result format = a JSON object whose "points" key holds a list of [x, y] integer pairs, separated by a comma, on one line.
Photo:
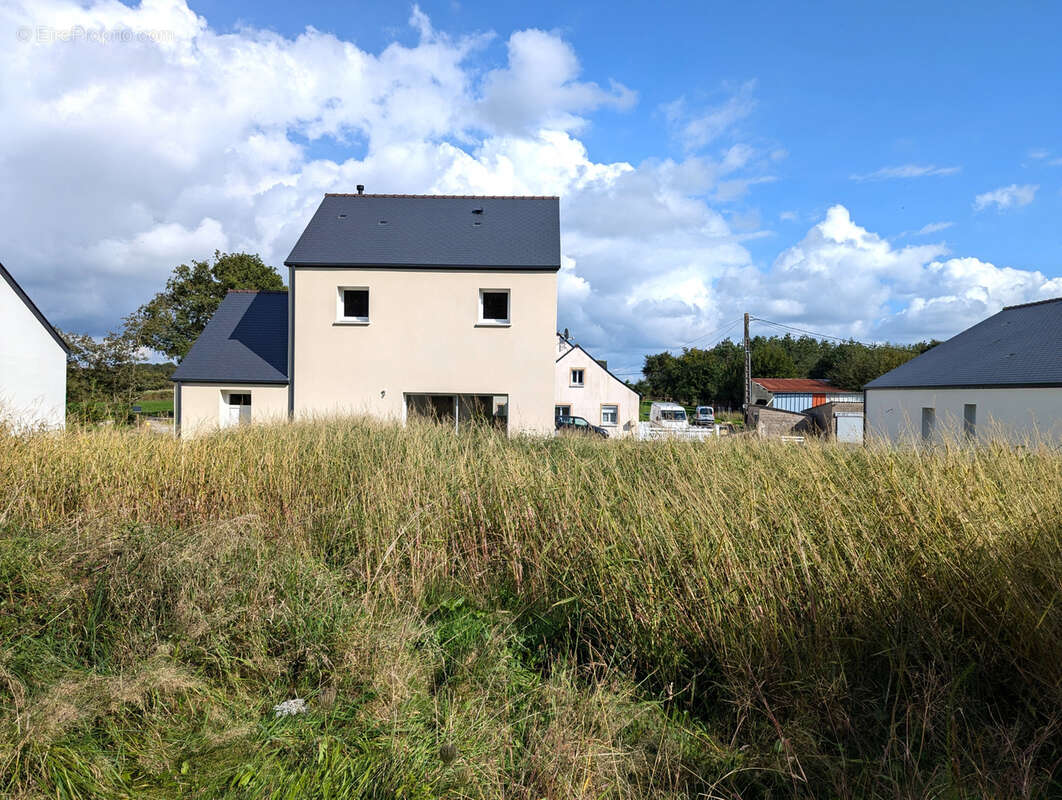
{"points": [[44, 34]]}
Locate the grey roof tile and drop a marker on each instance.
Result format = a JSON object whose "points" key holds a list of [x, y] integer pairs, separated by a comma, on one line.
{"points": [[431, 231], [246, 341], [1019, 346]]}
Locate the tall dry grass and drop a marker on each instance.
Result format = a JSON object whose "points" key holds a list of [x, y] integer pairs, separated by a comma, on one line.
{"points": [[580, 619]]}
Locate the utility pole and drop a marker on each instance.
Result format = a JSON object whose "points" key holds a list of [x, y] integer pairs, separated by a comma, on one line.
{"points": [[748, 371]]}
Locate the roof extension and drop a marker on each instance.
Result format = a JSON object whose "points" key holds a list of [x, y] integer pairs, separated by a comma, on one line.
{"points": [[798, 386], [410, 231], [246, 341], [25, 298], [1019, 346]]}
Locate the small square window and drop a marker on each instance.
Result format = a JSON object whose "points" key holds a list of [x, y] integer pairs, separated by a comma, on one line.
{"points": [[353, 305], [610, 415], [577, 377], [494, 306]]}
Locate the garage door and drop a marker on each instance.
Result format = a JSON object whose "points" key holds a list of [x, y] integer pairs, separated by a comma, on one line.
{"points": [[850, 428]]}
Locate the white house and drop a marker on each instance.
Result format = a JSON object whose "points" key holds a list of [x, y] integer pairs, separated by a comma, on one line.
{"points": [[32, 363], [1000, 379], [585, 388]]}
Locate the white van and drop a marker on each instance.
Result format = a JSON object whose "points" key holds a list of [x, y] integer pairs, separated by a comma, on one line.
{"points": [[668, 415]]}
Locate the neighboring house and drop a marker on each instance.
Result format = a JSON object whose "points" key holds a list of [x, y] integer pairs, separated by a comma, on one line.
{"points": [[32, 363], [403, 305], [237, 370], [798, 394], [585, 388], [1002, 378]]}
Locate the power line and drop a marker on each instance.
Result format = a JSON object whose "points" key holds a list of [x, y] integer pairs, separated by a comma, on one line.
{"points": [[806, 332], [710, 333]]}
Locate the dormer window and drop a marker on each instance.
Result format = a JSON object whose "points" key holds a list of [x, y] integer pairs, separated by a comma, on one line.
{"points": [[353, 305], [494, 307]]}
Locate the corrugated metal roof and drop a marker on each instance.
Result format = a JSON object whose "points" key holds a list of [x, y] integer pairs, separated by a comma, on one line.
{"points": [[432, 231], [798, 385], [1019, 346], [246, 341]]}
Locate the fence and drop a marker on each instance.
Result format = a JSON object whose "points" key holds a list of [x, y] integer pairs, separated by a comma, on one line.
{"points": [[647, 431]]}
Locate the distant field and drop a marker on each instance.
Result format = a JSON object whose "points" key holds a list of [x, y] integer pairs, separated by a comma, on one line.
{"points": [[156, 402], [156, 406], [470, 616]]}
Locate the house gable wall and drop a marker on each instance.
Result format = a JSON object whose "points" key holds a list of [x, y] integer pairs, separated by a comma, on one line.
{"points": [[599, 388], [32, 367]]}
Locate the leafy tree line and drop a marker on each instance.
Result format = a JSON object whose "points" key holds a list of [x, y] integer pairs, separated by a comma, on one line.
{"points": [[105, 376], [717, 375]]}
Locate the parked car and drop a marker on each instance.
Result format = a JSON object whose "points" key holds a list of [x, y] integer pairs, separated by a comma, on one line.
{"points": [[566, 424], [704, 416], [668, 415]]}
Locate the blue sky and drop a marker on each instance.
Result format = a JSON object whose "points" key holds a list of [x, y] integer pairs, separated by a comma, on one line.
{"points": [[887, 171], [845, 88]]}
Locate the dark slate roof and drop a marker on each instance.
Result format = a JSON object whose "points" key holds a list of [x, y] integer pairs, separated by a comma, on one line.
{"points": [[246, 341], [431, 231], [1019, 346], [25, 298]]}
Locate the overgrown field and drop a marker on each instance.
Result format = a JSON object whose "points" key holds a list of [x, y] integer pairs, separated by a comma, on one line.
{"points": [[470, 616]]}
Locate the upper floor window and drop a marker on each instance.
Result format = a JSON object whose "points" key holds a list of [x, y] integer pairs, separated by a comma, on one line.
{"points": [[494, 307], [353, 305], [577, 376]]}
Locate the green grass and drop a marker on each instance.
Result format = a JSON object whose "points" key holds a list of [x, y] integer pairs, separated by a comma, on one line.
{"points": [[578, 619], [155, 406]]}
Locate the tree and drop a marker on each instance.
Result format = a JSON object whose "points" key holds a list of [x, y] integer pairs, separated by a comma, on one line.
{"points": [[172, 320], [770, 360], [105, 376]]}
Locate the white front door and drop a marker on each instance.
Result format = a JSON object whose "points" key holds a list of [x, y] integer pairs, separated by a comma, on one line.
{"points": [[233, 416]]}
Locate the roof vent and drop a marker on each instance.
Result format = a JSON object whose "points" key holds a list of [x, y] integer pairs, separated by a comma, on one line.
{"points": [[342, 216], [477, 210], [361, 188], [382, 222]]}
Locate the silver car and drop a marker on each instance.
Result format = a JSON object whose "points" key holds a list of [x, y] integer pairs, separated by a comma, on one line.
{"points": [[704, 416]]}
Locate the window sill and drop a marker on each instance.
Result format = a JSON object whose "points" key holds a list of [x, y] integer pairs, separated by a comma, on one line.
{"points": [[351, 322], [576, 385], [493, 325]]}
